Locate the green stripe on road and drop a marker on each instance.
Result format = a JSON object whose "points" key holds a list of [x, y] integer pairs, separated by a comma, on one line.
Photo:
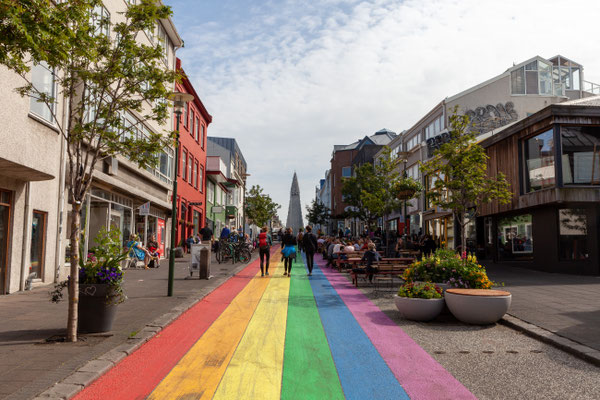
{"points": [[308, 368]]}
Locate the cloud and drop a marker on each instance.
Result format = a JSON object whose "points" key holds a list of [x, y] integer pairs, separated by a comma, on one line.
{"points": [[289, 79]]}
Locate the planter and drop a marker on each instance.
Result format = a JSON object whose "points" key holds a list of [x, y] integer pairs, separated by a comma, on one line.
{"points": [[418, 309], [443, 286], [93, 313], [478, 306], [405, 194]]}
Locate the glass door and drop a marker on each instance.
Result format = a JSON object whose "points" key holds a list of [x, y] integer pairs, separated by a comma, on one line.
{"points": [[38, 244], [5, 203]]}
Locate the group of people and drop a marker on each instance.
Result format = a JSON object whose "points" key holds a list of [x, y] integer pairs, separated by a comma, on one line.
{"points": [[149, 255], [291, 244], [424, 244]]}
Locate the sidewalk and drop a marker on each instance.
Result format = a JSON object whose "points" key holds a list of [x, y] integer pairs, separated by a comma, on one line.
{"points": [[567, 305], [29, 364]]}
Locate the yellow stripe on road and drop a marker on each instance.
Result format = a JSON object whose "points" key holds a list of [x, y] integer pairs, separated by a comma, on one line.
{"points": [[197, 375], [255, 371]]}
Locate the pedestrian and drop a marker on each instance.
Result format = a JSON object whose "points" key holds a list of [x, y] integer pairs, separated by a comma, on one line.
{"points": [[370, 257], [206, 234], [264, 250], [190, 242], [309, 242], [289, 251], [225, 233], [299, 239]]}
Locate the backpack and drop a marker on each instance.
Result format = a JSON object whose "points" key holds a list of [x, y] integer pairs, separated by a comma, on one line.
{"points": [[262, 241]]}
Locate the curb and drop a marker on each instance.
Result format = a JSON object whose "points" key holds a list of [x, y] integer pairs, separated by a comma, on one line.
{"points": [[94, 369], [577, 349]]}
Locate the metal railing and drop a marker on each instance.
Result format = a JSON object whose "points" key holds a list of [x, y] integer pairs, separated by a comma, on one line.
{"points": [[591, 87]]}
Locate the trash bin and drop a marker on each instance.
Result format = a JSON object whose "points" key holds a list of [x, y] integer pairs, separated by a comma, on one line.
{"points": [[200, 260]]}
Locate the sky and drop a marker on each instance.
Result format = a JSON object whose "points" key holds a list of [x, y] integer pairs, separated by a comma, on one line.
{"points": [[290, 79]]}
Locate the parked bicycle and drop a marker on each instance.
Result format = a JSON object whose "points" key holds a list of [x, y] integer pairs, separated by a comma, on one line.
{"points": [[236, 251]]}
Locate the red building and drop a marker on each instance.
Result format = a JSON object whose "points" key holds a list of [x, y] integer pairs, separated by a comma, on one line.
{"points": [[191, 178]]}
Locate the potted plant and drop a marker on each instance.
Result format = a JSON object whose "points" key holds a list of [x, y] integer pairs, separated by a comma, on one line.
{"points": [[419, 301], [405, 188], [100, 283]]}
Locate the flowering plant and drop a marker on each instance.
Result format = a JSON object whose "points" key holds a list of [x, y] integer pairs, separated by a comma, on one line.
{"points": [[446, 266], [101, 266], [425, 290]]}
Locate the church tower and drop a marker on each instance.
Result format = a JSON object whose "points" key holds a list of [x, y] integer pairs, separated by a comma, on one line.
{"points": [[294, 218]]}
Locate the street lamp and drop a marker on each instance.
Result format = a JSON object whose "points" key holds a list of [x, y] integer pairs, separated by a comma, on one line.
{"points": [[179, 99]]}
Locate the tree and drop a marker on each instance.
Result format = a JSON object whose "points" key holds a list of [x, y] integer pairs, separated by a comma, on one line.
{"points": [[259, 206], [101, 71], [458, 175], [373, 191], [318, 213]]}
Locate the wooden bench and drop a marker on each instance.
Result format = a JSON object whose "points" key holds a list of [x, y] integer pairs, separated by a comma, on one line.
{"points": [[387, 269]]}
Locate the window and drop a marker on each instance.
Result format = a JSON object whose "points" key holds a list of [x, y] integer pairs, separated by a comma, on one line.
{"points": [[186, 111], [517, 81], [195, 172], [184, 165], [150, 33], [346, 172], [413, 172], [201, 178], [395, 152], [412, 142], [210, 189], [580, 155], [197, 128], [192, 120], [190, 167], [202, 137], [165, 165], [164, 41], [100, 18], [515, 238], [572, 223], [533, 78], [434, 128], [42, 79], [539, 159]]}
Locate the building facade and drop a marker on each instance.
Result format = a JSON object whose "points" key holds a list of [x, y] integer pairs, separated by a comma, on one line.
{"points": [[520, 91], [191, 177], [552, 161], [35, 216]]}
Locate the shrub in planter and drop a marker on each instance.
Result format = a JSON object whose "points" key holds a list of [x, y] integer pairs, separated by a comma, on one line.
{"points": [[446, 266], [419, 302], [100, 283]]}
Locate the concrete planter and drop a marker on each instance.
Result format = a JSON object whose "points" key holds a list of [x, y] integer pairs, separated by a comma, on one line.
{"points": [[418, 309], [478, 306], [94, 313]]}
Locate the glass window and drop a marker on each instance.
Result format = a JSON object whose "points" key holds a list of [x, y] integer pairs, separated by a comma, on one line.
{"points": [[210, 190], [532, 82], [190, 166], [195, 172], [517, 81], [532, 66], [42, 79], [202, 137], [539, 159], [545, 78], [184, 165], [515, 238], [186, 111], [580, 155], [197, 128], [101, 20], [192, 120], [164, 40], [572, 223], [346, 172], [575, 79]]}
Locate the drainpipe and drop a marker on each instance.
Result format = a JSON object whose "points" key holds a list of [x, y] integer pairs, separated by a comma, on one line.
{"points": [[26, 236]]}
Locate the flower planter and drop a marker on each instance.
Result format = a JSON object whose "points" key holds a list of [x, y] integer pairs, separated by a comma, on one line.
{"points": [[443, 286], [405, 194], [478, 306], [417, 309], [95, 313]]}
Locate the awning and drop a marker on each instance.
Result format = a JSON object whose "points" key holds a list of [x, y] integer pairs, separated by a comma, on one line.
{"points": [[22, 172]]}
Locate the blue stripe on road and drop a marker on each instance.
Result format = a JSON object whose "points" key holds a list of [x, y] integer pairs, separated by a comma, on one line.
{"points": [[362, 371]]}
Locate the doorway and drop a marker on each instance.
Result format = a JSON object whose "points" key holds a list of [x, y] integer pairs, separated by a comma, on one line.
{"points": [[38, 244], [5, 203]]}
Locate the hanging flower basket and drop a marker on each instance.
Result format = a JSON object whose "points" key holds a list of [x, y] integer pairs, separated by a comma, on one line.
{"points": [[405, 194], [406, 188]]}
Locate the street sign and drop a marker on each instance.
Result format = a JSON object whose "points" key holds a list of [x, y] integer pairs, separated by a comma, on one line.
{"points": [[144, 209], [195, 203]]}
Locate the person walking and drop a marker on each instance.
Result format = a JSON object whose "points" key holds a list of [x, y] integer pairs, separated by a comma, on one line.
{"points": [[309, 242], [264, 250], [299, 239], [289, 251], [207, 234]]}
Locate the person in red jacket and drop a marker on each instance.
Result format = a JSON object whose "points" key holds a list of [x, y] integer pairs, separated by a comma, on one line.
{"points": [[264, 250]]}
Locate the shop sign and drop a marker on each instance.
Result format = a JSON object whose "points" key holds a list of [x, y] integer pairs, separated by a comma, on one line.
{"points": [[217, 209], [144, 209]]}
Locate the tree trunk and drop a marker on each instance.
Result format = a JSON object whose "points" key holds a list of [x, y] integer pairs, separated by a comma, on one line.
{"points": [[74, 273], [463, 238]]}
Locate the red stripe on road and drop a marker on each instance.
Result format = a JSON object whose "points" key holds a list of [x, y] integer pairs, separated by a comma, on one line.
{"points": [[137, 375]]}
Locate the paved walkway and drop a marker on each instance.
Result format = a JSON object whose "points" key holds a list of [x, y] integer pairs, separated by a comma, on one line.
{"points": [[29, 365], [568, 305], [274, 337]]}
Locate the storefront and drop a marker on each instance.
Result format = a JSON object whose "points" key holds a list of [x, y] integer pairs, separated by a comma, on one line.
{"points": [[441, 228]]}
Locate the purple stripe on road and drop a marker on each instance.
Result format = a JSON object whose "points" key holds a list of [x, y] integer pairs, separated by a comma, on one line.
{"points": [[419, 374]]}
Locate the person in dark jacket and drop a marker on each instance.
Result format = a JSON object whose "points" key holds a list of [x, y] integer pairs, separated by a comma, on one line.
{"points": [[264, 244], [369, 258], [288, 251], [309, 243]]}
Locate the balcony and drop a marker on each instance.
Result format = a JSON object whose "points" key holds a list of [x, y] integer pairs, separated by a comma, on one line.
{"points": [[591, 88], [216, 169], [230, 212]]}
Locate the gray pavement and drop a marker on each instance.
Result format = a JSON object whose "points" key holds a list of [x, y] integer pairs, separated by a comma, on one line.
{"points": [[497, 362], [566, 305], [29, 364]]}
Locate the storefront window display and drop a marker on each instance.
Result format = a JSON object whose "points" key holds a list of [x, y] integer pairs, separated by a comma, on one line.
{"points": [[572, 223], [515, 238], [539, 160], [442, 231], [107, 210]]}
